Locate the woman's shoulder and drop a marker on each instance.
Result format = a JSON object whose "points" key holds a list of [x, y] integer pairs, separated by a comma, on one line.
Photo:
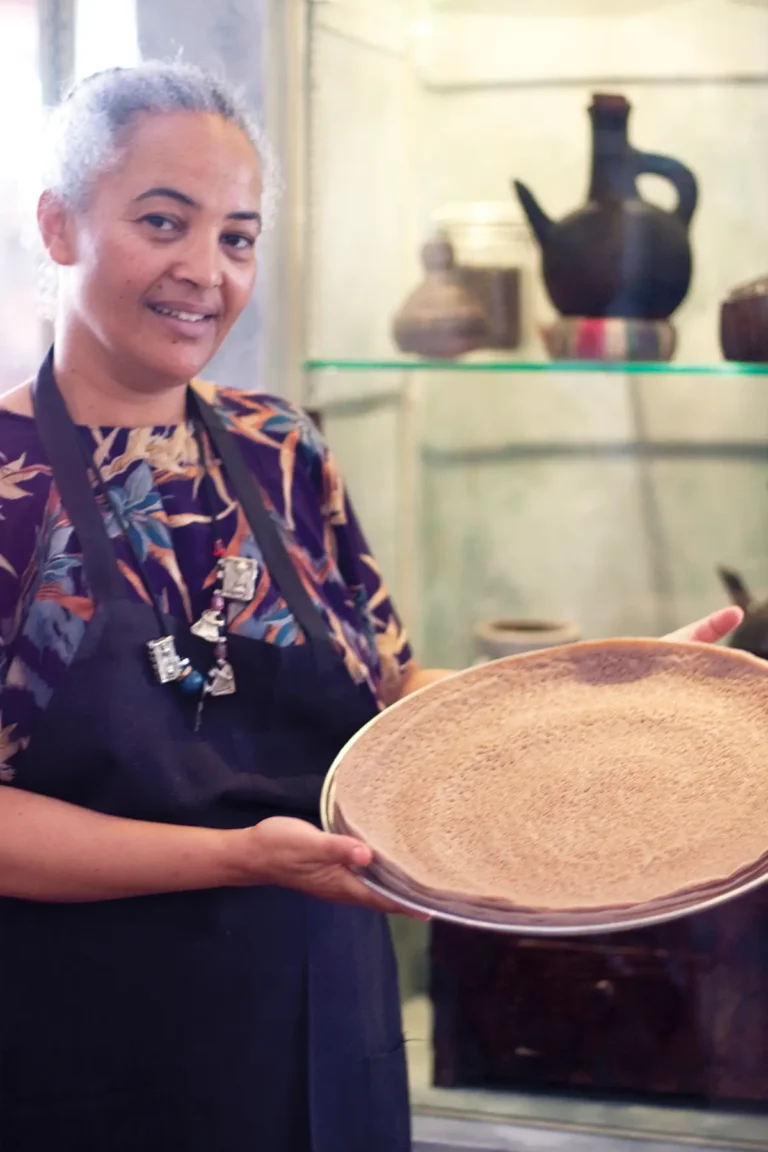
{"points": [[262, 417], [18, 401], [25, 487], [20, 443], [22, 456]]}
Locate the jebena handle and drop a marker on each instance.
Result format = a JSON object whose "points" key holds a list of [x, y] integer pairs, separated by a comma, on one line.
{"points": [[677, 174]]}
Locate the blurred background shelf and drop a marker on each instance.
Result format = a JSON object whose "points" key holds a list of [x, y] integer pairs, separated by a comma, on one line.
{"points": [[580, 367]]}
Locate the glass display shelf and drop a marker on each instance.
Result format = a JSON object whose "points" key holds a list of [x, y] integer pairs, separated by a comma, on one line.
{"points": [[521, 367]]}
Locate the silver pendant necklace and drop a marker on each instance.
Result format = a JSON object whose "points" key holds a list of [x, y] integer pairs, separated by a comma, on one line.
{"points": [[236, 580]]}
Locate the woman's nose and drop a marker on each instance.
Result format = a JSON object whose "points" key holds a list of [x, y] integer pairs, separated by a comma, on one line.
{"points": [[201, 263]]}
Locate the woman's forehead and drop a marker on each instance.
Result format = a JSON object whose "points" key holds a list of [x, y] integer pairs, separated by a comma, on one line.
{"points": [[199, 154]]}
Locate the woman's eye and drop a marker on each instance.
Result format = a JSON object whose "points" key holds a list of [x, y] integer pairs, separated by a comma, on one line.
{"points": [[160, 223], [239, 241]]}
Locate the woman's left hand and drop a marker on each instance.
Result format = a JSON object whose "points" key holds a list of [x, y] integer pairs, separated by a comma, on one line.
{"points": [[711, 628]]}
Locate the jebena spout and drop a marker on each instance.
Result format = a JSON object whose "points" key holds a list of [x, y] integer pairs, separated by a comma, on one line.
{"points": [[537, 218]]}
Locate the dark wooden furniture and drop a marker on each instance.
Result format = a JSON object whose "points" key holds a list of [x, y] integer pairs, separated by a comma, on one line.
{"points": [[676, 1010]]}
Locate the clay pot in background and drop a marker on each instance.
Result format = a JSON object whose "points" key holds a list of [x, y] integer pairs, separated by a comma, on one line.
{"points": [[441, 319], [744, 323], [495, 639], [752, 634]]}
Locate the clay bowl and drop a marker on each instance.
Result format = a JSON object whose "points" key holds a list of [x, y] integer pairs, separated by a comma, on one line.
{"points": [[744, 323]]}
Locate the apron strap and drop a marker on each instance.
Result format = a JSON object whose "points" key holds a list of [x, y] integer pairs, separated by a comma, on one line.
{"points": [[279, 564], [64, 449]]}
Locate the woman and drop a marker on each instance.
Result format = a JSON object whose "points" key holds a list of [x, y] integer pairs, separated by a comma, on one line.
{"points": [[186, 961]]}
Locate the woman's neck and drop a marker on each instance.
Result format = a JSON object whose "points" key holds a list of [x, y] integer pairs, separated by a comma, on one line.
{"points": [[101, 401], [98, 394]]}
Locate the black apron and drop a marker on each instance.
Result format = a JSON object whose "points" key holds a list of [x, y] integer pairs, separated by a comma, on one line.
{"points": [[216, 1021]]}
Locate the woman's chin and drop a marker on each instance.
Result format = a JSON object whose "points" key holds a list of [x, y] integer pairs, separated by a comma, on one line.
{"points": [[175, 363]]}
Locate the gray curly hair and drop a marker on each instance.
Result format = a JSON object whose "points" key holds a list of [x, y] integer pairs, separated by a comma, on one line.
{"points": [[88, 129]]}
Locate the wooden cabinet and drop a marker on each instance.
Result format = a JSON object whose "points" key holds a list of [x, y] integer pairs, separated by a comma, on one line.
{"points": [[677, 1010]]}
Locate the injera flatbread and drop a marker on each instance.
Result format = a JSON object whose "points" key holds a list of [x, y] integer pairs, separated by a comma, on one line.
{"points": [[595, 778]]}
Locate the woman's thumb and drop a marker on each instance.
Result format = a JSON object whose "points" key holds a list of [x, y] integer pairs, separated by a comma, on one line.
{"points": [[346, 850]]}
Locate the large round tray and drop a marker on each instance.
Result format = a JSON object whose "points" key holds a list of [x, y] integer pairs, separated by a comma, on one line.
{"points": [[581, 923], [634, 919]]}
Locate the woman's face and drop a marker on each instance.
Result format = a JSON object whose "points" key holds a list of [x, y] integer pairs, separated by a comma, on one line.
{"points": [[161, 261]]}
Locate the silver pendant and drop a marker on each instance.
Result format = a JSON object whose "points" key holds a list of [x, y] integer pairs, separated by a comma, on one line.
{"points": [[222, 682], [166, 662], [238, 578], [209, 626]]}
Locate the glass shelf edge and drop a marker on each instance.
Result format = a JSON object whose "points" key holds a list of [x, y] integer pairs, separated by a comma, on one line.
{"points": [[635, 368]]}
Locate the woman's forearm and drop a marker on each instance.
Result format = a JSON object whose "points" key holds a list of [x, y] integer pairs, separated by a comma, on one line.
{"points": [[57, 852]]}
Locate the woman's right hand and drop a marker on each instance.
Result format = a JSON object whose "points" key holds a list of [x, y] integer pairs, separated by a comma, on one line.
{"points": [[294, 854]]}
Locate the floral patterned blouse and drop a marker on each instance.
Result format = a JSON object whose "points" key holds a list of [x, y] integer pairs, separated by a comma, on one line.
{"points": [[153, 475]]}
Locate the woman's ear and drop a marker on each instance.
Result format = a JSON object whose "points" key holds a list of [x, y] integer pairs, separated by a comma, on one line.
{"points": [[56, 226]]}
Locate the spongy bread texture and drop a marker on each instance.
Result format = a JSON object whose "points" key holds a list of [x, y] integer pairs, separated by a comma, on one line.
{"points": [[595, 776]]}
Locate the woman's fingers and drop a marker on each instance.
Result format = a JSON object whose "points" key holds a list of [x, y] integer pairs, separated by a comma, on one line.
{"points": [[711, 628]]}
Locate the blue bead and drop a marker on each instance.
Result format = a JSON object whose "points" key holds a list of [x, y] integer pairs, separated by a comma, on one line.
{"points": [[192, 683]]}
